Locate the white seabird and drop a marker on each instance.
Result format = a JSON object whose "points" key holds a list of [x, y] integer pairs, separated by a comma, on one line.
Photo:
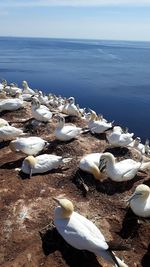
{"points": [[30, 145], [70, 108], [27, 89], [140, 201], [136, 143], [11, 104], [98, 126], [66, 132], [121, 171], [9, 133], [90, 163], [82, 233], [42, 163], [118, 138], [40, 112]]}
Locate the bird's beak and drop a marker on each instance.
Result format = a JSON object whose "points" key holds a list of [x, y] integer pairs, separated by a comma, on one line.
{"points": [[56, 199], [134, 196], [102, 164], [30, 174]]}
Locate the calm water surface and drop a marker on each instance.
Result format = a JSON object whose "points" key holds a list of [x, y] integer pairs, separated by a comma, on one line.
{"points": [[112, 77]]}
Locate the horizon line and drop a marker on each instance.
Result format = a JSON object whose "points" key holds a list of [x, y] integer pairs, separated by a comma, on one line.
{"points": [[73, 38]]}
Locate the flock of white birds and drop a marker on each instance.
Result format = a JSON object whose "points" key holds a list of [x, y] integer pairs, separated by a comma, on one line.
{"points": [[78, 231]]}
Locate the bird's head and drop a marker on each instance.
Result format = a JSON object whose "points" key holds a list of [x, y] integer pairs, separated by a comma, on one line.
{"points": [[141, 191], [66, 206]]}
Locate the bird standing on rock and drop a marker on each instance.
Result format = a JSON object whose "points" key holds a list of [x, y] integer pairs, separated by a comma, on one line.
{"points": [[81, 233]]}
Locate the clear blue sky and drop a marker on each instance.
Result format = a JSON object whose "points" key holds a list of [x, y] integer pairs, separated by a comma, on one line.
{"points": [[90, 19]]}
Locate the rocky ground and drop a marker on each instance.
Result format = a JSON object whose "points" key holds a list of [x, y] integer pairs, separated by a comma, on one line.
{"points": [[28, 237]]}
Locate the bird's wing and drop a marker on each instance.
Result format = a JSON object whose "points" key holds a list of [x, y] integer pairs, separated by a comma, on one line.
{"points": [[78, 234]]}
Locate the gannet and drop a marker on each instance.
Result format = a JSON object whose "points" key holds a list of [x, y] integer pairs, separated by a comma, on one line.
{"points": [[98, 125], [136, 143], [90, 164], [40, 112], [42, 163], [82, 233], [11, 104], [9, 133], [140, 201], [120, 171], [70, 108], [43, 99], [29, 145], [27, 89], [66, 132], [118, 138], [14, 89]]}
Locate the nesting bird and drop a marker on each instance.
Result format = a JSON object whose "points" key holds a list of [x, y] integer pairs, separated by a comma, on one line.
{"points": [[11, 104], [140, 201], [142, 148], [118, 138], [90, 164], [120, 171], [42, 163], [27, 89], [98, 125], [9, 133], [70, 108], [81, 233], [40, 112], [66, 132], [30, 145]]}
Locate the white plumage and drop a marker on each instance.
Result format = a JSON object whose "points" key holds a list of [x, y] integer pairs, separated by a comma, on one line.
{"points": [[118, 138], [70, 108], [66, 132], [140, 201], [29, 145], [119, 171], [40, 112], [98, 126], [42, 163], [27, 89], [3, 122], [11, 104], [9, 133], [81, 233], [90, 164]]}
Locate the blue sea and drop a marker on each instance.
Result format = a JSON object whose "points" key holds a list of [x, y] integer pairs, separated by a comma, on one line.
{"points": [[111, 77]]}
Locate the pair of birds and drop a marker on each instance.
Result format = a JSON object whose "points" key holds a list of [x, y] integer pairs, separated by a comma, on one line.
{"points": [[82, 234], [31, 146], [121, 171], [121, 138], [97, 124]]}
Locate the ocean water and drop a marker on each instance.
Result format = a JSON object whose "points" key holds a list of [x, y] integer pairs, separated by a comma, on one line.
{"points": [[111, 77]]}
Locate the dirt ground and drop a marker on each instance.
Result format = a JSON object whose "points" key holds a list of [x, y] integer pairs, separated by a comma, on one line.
{"points": [[28, 237]]}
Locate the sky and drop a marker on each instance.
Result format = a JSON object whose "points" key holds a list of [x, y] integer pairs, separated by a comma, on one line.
{"points": [[85, 19]]}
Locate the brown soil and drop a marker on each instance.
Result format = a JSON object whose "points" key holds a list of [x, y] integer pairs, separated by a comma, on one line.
{"points": [[28, 237]]}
